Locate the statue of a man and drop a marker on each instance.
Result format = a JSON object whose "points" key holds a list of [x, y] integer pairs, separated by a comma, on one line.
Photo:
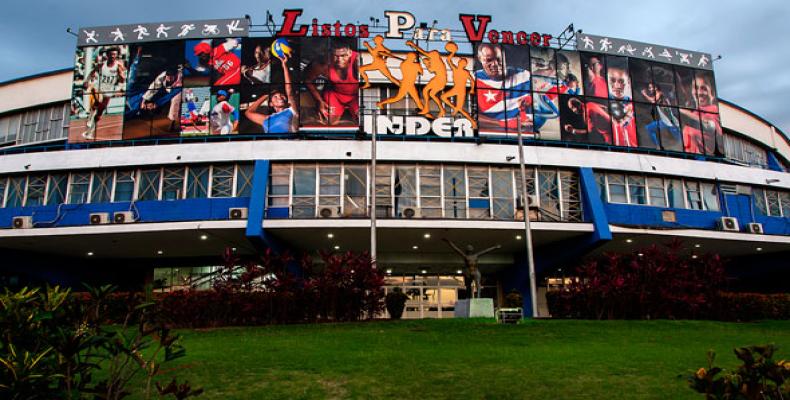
{"points": [[471, 260]]}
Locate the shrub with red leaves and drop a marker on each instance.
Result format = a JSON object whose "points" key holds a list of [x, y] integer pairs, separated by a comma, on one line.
{"points": [[657, 282]]}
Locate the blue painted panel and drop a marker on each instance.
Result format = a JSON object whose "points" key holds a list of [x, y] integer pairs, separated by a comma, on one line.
{"points": [[146, 211], [647, 216], [277, 212], [479, 203]]}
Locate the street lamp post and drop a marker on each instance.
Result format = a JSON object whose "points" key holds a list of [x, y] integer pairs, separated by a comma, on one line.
{"points": [[373, 258], [527, 230]]}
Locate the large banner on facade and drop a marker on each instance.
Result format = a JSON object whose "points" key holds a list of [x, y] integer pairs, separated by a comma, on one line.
{"points": [[323, 79]]}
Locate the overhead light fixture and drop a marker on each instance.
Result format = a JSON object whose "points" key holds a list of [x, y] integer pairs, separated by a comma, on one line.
{"points": [[415, 247], [424, 272], [330, 235], [203, 237], [629, 240], [696, 246], [518, 237], [389, 271], [89, 254], [641, 254], [759, 249], [160, 252], [695, 256], [337, 247], [427, 235], [459, 272]]}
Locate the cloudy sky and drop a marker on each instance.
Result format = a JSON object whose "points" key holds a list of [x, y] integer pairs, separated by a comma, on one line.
{"points": [[751, 36]]}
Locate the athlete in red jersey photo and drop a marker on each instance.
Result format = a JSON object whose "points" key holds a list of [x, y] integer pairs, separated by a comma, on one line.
{"points": [[341, 91], [595, 84], [223, 59]]}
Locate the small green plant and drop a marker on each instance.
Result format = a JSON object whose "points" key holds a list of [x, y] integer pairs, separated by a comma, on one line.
{"points": [[759, 378], [395, 302], [514, 299]]}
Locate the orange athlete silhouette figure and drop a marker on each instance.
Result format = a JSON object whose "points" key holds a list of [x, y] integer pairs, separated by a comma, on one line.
{"points": [[410, 68], [379, 54], [460, 77], [433, 63]]}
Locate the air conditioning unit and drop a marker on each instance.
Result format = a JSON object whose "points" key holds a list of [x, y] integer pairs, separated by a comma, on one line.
{"points": [[532, 202], [756, 228], [329, 212], [99, 218], [123, 217], [237, 213], [411, 212], [729, 224], [22, 222]]}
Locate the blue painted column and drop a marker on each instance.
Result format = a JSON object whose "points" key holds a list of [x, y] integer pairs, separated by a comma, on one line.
{"points": [[593, 205], [257, 207]]}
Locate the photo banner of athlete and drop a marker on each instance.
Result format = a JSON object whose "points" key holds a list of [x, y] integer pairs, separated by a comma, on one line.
{"points": [[325, 79]]}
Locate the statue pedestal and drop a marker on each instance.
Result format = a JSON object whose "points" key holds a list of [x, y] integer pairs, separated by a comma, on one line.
{"points": [[474, 308]]}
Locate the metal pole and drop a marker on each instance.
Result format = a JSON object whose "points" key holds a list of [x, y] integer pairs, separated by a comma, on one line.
{"points": [[527, 231], [373, 192]]}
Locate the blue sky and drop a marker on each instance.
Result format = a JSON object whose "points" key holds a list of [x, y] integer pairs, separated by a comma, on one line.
{"points": [[751, 36]]}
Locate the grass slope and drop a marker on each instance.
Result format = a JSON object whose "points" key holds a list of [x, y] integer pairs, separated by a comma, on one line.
{"points": [[471, 359]]}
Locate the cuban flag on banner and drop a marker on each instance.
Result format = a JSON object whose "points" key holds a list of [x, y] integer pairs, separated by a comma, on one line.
{"points": [[502, 99]]}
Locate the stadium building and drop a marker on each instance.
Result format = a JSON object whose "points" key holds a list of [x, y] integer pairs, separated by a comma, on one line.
{"points": [[166, 144]]}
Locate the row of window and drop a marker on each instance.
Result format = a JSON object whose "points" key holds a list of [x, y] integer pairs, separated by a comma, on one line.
{"points": [[658, 191], [101, 186], [35, 125], [310, 190]]}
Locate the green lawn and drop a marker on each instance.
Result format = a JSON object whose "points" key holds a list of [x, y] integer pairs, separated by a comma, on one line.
{"points": [[464, 359]]}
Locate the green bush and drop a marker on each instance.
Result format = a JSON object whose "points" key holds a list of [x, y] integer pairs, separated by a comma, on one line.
{"points": [[758, 378], [53, 342]]}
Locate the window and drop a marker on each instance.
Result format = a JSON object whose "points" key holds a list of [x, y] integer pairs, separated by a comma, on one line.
{"points": [[244, 174], [222, 180], [774, 206], [758, 201], [405, 188], [479, 203], [636, 189], [124, 185], [784, 199], [431, 191], [616, 183], [710, 195], [502, 193], [571, 200], [384, 190], [329, 186], [197, 182], [693, 196], [173, 183], [3, 181], [675, 193], [36, 189], [58, 185], [149, 184], [454, 192], [101, 189], [78, 187], [304, 191], [655, 192], [279, 188], [600, 178], [355, 199], [549, 195]]}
